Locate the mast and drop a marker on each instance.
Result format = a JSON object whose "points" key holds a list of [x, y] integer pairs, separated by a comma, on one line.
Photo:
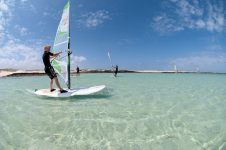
{"points": [[69, 52]]}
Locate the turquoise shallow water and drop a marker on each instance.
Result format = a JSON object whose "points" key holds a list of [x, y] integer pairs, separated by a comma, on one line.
{"points": [[136, 111]]}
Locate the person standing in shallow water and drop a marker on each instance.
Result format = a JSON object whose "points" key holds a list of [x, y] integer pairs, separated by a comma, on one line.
{"points": [[49, 70], [116, 70], [77, 70]]}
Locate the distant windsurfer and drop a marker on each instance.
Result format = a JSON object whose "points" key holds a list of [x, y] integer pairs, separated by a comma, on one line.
{"points": [[77, 70], [116, 70], [49, 70]]}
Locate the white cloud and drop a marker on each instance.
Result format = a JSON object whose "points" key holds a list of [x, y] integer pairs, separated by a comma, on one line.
{"points": [[187, 8], [207, 15], [14, 54], [94, 19], [80, 5], [46, 13], [5, 17], [21, 30], [17, 55], [205, 61], [75, 60], [3, 6], [164, 24], [23, 1], [200, 23], [27, 63]]}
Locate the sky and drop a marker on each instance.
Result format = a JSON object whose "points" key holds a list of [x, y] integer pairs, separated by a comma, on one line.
{"points": [[139, 34]]}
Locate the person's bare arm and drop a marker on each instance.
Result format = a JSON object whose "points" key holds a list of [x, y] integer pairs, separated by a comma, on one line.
{"points": [[56, 54]]}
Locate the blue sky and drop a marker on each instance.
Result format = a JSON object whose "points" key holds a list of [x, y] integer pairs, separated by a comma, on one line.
{"points": [[147, 34]]}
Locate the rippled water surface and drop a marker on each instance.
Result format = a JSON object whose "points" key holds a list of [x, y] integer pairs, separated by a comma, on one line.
{"points": [[136, 111]]}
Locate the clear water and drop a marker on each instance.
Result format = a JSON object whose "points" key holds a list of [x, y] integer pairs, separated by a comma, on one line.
{"points": [[137, 111]]}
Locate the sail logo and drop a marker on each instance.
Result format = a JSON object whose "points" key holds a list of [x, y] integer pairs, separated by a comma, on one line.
{"points": [[65, 21], [64, 24]]}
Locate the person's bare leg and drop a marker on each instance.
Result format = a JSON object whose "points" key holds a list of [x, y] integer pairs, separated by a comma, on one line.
{"points": [[51, 84], [57, 83]]}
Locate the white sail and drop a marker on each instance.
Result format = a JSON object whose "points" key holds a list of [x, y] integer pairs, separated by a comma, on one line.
{"points": [[61, 43], [109, 56]]}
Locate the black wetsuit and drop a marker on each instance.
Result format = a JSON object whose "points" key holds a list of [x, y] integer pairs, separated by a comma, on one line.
{"points": [[48, 67], [116, 70], [77, 69]]}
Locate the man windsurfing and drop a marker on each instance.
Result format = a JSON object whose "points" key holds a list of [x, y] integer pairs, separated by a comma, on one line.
{"points": [[116, 70], [77, 70], [49, 70]]}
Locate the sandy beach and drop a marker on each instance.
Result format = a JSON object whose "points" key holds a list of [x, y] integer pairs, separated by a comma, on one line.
{"points": [[13, 72]]}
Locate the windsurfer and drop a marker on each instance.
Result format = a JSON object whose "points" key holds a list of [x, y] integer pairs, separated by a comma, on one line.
{"points": [[116, 70], [49, 70], [77, 70]]}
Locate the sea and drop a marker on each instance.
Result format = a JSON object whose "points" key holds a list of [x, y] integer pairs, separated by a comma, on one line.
{"points": [[137, 111]]}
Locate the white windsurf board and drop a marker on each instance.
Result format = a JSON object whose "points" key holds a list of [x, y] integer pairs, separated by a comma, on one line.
{"points": [[71, 92]]}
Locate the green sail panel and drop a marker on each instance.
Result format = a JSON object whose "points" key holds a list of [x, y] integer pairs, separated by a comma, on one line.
{"points": [[61, 44]]}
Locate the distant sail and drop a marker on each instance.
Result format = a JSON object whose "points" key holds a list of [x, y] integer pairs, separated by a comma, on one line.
{"points": [[61, 43], [109, 56], [175, 68]]}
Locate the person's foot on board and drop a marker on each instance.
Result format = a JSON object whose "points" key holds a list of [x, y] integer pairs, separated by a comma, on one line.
{"points": [[51, 90], [63, 91]]}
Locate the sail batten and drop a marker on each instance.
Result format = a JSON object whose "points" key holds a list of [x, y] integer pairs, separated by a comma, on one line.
{"points": [[61, 43]]}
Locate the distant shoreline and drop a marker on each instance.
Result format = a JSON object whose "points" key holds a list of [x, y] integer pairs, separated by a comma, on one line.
{"points": [[18, 73]]}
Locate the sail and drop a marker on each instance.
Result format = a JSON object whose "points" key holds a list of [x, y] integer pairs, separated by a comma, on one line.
{"points": [[62, 43], [109, 56]]}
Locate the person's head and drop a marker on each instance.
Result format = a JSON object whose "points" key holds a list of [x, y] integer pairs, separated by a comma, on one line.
{"points": [[47, 48]]}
